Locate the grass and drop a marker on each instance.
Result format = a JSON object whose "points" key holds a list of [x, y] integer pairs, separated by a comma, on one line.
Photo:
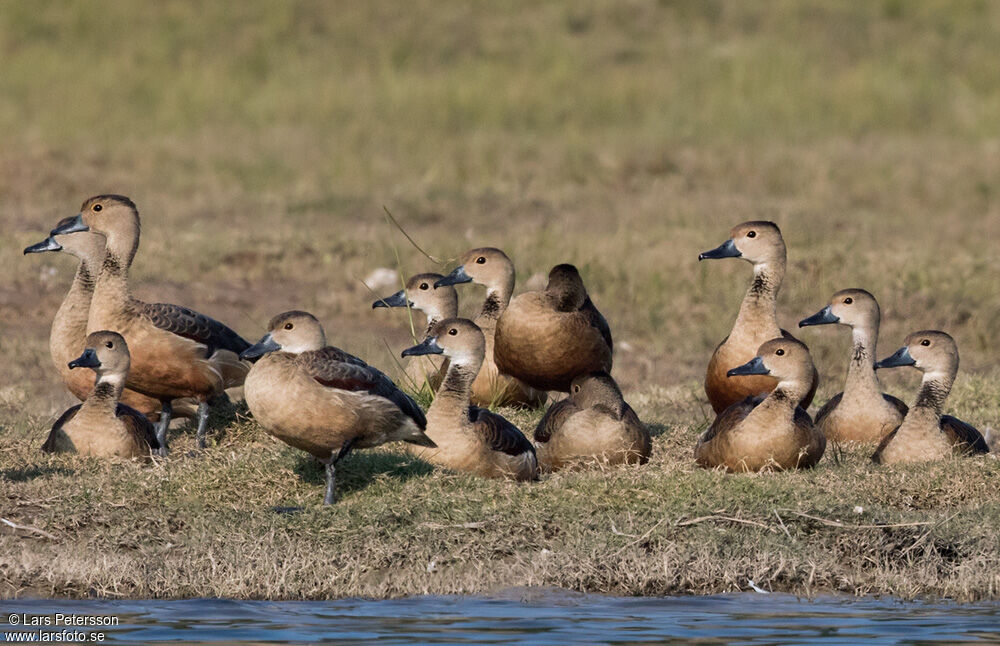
{"points": [[262, 140]]}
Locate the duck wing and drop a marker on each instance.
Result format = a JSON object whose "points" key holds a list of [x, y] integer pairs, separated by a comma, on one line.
{"points": [[498, 433], [900, 406], [829, 406], [138, 425], [50, 442], [730, 417], [334, 368], [598, 321], [961, 433], [554, 418], [197, 327]]}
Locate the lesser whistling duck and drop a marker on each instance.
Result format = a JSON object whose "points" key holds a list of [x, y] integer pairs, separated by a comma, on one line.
{"points": [[862, 412], [69, 327], [925, 434], [761, 244], [594, 423], [492, 268], [322, 400], [102, 426], [549, 338], [767, 431], [176, 352], [437, 304], [469, 439]]}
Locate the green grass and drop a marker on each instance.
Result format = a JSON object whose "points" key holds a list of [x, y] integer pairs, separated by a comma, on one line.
{"points": [[261, 141]]}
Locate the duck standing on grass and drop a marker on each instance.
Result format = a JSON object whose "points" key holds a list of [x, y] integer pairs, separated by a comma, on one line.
{"points": [[768, 431], [761, 244], [469, 439], [322, 400], [925, 434], [69, 326], [549, 338], [437, 304], [492, 268], [176, 352], [593, 424], [102, 426], [862, 412]]}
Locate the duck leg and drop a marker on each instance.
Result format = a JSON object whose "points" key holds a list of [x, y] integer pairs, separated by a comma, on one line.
{"points": [[202, 423], [331, 472], [166, 412]]}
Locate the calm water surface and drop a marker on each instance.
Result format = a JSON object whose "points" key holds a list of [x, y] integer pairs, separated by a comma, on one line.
{"points": [[534, 616]]}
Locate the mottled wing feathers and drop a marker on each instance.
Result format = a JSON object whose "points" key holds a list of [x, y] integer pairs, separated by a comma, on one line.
{"points": [[961, 433], [138, 425], [197, 327], [50, 442], [498, 433], [335, 368], [554, 418], [598, 321]]}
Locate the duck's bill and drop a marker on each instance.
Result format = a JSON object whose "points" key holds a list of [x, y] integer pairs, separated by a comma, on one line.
{"points": [[427, 346], [86, 360], [456, 277], [74, 224], [823, 317], [725, 250], [396, 300], [753, 367], [48, 244], [901, 357], [259, 349]]}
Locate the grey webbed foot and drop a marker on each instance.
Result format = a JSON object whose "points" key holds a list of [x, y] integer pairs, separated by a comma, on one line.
{"points": [[166, 412], [331, 484], [202, 423]]}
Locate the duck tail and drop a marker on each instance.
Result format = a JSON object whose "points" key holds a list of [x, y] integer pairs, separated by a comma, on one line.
{"points": [[420, 438]]}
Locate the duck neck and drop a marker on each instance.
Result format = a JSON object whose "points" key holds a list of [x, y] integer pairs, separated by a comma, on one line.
{"points": [[104, 397], [70, 321], [453, 395], [497, 299], [759, 308], [861, 378], [934, 389], [112, 287]]}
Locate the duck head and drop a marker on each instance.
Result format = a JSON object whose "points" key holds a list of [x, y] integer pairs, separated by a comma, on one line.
{"points": [[105, 352], [852, 307], [932, 352], [758, 242], [459, 339], [420, 294], [485, 266], [295, 332]]}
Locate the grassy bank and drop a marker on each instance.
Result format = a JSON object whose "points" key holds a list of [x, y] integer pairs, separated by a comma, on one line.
{"points": [[261, 141], [216, 524]]}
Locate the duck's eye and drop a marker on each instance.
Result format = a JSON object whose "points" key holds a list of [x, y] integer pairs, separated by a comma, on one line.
{"points": [[288, 326], [925, 342], [752, 234], [779, 352], [481, 260], [848, 300], [576, 388], [109, 344], [452, 331], [97, 207], [424, 285]]}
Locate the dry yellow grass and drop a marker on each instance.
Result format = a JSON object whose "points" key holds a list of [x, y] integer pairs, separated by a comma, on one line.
{"points": [[261, 141]]}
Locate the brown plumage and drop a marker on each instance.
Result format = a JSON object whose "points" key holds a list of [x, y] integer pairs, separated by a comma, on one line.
{"points": [[767, 431], [924, 433], [469, 439], [492, 268], [593, 424], [437, 304], [548, 338], [69, 326], [761, 244], [862, 412], [323, 400], [101, 426], [176, 352]]}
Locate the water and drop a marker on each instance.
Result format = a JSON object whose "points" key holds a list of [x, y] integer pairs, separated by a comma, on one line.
{"points": [[534, 616]]}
